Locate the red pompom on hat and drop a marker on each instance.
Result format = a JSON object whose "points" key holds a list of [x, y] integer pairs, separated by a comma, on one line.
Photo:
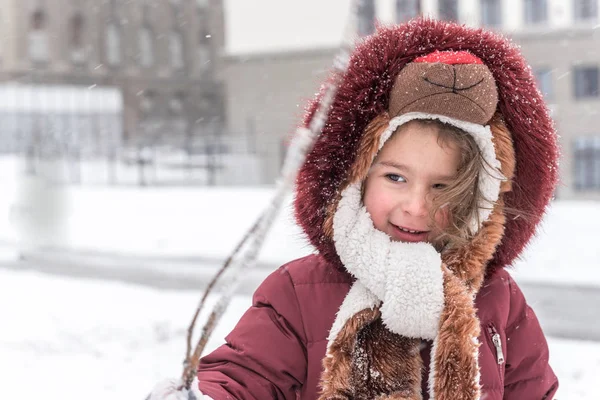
{"points": [[449, 57]]}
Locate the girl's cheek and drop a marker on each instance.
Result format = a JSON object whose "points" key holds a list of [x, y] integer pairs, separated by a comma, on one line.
{"points": [[442, 218]]}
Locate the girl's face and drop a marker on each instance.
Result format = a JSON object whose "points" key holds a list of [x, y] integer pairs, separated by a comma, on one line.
{"points": [[406, 175]]}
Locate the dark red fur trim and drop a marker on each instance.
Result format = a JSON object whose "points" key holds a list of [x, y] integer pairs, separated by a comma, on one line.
{"points": [[364, 94]]}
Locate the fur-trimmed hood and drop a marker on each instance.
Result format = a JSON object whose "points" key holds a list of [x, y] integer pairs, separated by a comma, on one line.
{"points": [[364, 93]]}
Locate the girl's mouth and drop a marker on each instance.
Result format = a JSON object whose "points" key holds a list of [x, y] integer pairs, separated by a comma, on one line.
{"points": [[408, 235]]}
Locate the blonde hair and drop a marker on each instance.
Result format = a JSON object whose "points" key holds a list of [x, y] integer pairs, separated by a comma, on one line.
{"points": [[462, 197]]}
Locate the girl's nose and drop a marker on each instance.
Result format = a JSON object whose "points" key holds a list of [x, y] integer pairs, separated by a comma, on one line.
{"points": [[416, 203]]}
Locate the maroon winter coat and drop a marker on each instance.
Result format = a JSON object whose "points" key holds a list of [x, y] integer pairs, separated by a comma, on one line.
{"points": [[275, 351]]}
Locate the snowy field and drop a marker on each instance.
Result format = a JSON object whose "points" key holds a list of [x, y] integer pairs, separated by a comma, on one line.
{"points": [[209, 221], [64, 338]]}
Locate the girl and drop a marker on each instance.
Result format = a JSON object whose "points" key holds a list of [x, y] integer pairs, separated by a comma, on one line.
{"points": [[434, 169]]}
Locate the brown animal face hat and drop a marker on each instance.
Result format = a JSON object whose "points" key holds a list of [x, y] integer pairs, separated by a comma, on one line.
{"points": [[455, 84]]}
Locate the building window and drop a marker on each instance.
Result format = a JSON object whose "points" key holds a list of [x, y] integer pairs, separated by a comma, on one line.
{"points": [[587, 163], [176, 50], [586, 82], [366, 17], [203, 51], [536, 11], [1, 44], [147, 102], [448, 10], [177, 9], [176, 103], [204, 104], [146, 43], [491, 13], [203, 56], [407, 9], [585, 10], [113, 44], [543, 77], [76, 41], [38, 38]]}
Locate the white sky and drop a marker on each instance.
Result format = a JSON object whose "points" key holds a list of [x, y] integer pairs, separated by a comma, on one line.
{"points": [[258, 26], [275, 25]]}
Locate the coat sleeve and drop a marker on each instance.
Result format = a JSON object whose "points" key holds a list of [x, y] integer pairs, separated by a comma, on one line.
{"points": [[264, 357], [528, 374]]}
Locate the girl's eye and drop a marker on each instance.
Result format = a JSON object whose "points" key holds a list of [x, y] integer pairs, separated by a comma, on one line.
{"points": [[440, 186], [395, 178]]}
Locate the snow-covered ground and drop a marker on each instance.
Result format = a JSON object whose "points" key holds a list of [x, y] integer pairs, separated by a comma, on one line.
{"points": [[64, 338], [566, 249], [156, 221]]}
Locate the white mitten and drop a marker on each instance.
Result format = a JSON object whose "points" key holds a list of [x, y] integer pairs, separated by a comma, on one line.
{"points": [[406, 277], [167, 390]]}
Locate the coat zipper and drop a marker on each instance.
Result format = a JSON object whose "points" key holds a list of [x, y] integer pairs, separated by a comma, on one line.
{"points": [[497, 341]]}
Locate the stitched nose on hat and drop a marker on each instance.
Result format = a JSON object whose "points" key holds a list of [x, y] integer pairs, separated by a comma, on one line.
{"points": [[463, 91]]}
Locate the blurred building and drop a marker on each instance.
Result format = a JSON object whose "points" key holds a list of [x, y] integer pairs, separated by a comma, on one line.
{"points": [[162, 54], [272, 68]]}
